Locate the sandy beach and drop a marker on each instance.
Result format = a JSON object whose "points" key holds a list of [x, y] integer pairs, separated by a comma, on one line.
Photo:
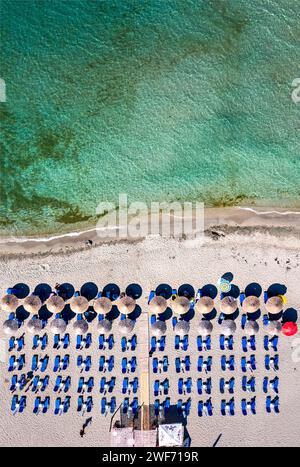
{"points": [[250, 253]]}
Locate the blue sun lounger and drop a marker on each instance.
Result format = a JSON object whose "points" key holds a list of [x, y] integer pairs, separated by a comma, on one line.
{"points": [[101, 341], [266, 320], [11, 344], [14, 403], [178, 365], [156, 407], [44, 342], [135, 385], [222, 342], [56, 363], [244, 407], [102, 384], [189, 385], [272, 404], [57, 383], [67, 404], [14, 381], [154, 365], [79, 342], [112, 405], [151, 296], [80, 384], [180, 386], [124, 385], [125, 405], [35, 342], [274, 384], [66, 341], [57, 406], [162, 343], [153, 344], [187, 363], [45, 383], [185, 343], [66, 361], [20, 343], [200, 408], [156, 388], [103, 405], [44, 365], [177, 342], [22, 404], [133, 364], [152, 319], [12, 363], [111, 363], [46, 404], [110, 341], [248, 385], [37, 402], [34, 363], [88, 340], [124, 365], [56, 341], [89, 403], [67, 384], [21, 362], [88, 363], [79, 403], [243, 320], [134, 405], [90, 384], [133, 343]]}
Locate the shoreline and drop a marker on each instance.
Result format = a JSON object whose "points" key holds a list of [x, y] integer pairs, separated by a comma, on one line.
{"points": [[218, 222]]}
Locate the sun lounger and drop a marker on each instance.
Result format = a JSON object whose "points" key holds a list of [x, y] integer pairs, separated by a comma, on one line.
{"points": [[90, 384], [45, 383], [135, 385], [56, 342], [88, 340], [253, 405], [156, 407], [276, 404], [243, 364], [66, 361], [152, 319], [12, 363], [124, 365], [187, 363], [209, 407], [37, 402], [124, 386], [58, 406], [179, 406], [35, 342], [125, 405], [253, 362], [20, 343], [242, 298], [89, 403], [189, 385], [44, 342], [231, 407], [102, 384], [57, 383], [66, 341], [151, 296], [79, 342], [266, 320], [111, 363], [244, 407], [268, 404], [222, 342], [154, 365], [153, 344], [162, 343], [185, 343], [156, 388], [133, 343], [88, 363], [21, 362], [200, 408], [178, 365], [22, 404], [132, 364], [67, 384], [243, 320], [112, 405], [199, 343], [11, 343], [252, 343], [174, 321], [103, 405], [245, 344], [102, 341], [14, 381], [266, 297], [79, 403], [274, 384], [177, 342], [14, 403], [46, 404], [274, 343], [66, 404], [56, 363]]}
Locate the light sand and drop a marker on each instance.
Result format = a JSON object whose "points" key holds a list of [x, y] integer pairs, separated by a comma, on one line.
{"points": [[255, 256]]}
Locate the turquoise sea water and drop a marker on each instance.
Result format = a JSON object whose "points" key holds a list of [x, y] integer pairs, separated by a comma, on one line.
{"points": [[162, 100]]}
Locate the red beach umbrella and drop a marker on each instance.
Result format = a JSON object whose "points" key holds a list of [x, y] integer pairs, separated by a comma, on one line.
{"points": [[289, 329]]}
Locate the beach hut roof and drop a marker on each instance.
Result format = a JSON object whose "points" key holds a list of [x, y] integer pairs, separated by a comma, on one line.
{"points": [[251, 328], [228, 305], [204, 305], [273, 327], [10, 326], [126, 326], [35, 325], [158, 328], [55, 304], [205, 328], [180, 305], [102, 305], [58, 326], [182, 328], [9, 303], [274, 305], [158, 305], [251, 304], [81, 327], [32, 303], [79, 304], [228, 327], [104, 325], [126, 305]]}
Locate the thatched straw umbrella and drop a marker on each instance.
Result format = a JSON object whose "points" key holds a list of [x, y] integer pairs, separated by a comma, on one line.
{"points": [[274, 305], [182, 328], [251, 304], [79, 304], [58, 326], [228, 305], [126, 326], [10, 327], [102, 305], [159, 328], [204, 305], [158, 305], [205, 328], [55, 304], [104, 325], [180, 305], [32, 304], [9, 303], [228, 327], [35, 325], [81, 327], [273, 328], [251, 328], [126, 305]]}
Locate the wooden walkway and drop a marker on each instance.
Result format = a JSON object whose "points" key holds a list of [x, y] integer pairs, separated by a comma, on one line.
{"points": [[143, 364]]}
